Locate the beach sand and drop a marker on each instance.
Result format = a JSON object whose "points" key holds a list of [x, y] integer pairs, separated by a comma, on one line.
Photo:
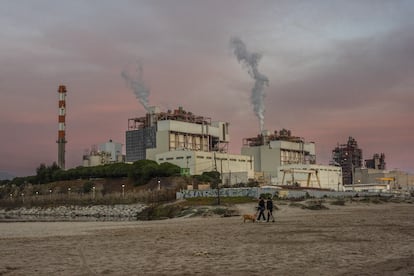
{"points": [[356, 239]]}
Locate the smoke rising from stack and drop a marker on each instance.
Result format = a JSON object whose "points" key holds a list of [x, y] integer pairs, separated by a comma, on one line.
{"points": [[251, 62], [134, 80]]}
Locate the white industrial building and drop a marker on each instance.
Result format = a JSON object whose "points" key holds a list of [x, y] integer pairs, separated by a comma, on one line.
{"points": [[114, 149], [395, 179], [177, 135], [160, 132], [194, 143], [373, 188], [107, 153], [96, 158], [233, 168], [272, 150], [311, 176], [197, 145]]}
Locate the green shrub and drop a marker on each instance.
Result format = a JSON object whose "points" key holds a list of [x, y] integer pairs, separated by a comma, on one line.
{"points": [[296, 204], [266, 195], [315, 205], [87, 186], [339, 202]]}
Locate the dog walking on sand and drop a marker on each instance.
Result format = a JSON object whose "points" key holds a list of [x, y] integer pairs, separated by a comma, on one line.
{"points": [[249, 217]]}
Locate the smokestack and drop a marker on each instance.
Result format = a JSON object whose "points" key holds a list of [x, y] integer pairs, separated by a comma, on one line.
{"points": [[136, 83], [61, 126], [251, 61]]}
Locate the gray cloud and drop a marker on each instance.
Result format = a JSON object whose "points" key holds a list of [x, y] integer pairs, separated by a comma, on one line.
{"points": [[337, 69], [356, 74]]}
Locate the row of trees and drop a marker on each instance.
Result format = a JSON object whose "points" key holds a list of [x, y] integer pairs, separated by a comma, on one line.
{"points": [[140, 172]]}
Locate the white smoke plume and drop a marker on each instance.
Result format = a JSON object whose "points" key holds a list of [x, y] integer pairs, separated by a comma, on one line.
{"points": [[251, 61], [133, 78]]}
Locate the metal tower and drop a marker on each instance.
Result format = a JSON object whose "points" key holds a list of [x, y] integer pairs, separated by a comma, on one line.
{"points": [[61, 127]]}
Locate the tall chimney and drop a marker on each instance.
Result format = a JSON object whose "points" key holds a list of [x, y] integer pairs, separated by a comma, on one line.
{"points": [[61, 127]]}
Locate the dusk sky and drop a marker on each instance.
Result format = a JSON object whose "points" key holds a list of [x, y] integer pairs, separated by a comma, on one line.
{"points": [[335, 69]]}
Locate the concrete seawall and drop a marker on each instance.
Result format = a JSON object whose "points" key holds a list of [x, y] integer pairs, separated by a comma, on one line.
{"points": [[95, 211]]}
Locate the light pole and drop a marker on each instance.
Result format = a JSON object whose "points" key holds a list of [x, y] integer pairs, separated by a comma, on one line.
{"points": [[123, 191], [69, 192], [93, 192], [406, 183], [22, 197], [50, 194], [159, 184]]}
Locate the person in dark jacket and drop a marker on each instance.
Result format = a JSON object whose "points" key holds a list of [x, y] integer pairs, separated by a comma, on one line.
{"points": [[261, 208], [269, 207]]}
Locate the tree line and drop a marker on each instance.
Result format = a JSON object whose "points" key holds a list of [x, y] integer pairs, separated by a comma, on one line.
{"points": [[140, 172]]}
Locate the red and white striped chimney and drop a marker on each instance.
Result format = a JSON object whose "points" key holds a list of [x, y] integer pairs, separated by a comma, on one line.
{"points": [[61, 127]]}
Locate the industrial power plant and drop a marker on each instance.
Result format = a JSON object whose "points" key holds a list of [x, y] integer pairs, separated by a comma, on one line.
{"points": [[198, 144]]}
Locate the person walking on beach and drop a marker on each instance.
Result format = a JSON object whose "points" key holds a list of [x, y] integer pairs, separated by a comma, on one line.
{"points": [[269, 207], [261, 208]]}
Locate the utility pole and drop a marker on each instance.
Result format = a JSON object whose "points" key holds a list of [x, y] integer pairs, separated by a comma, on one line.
{"points": [[218, 183], [220, 180], [187, 169]]}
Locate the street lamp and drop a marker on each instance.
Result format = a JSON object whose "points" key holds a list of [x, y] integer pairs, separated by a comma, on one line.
{"points": [[69, 192], [23, 197], [93, 192], [159, 184], [50, 194], [123, 190]]}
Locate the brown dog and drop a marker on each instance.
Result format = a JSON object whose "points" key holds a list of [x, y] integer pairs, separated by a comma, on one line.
{"points": [[249, 217]]}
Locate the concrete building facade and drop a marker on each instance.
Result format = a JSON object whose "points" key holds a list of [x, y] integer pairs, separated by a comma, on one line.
{"points": [[373, 188], [107, 153], [311, 176], [160, 132], [233, 168], [96, 158], [270, 151], [397, 180], [194, 143], [114, 149]]}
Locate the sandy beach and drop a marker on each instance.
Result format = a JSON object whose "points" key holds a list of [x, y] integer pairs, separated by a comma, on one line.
{"points": [[356, 239]]}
